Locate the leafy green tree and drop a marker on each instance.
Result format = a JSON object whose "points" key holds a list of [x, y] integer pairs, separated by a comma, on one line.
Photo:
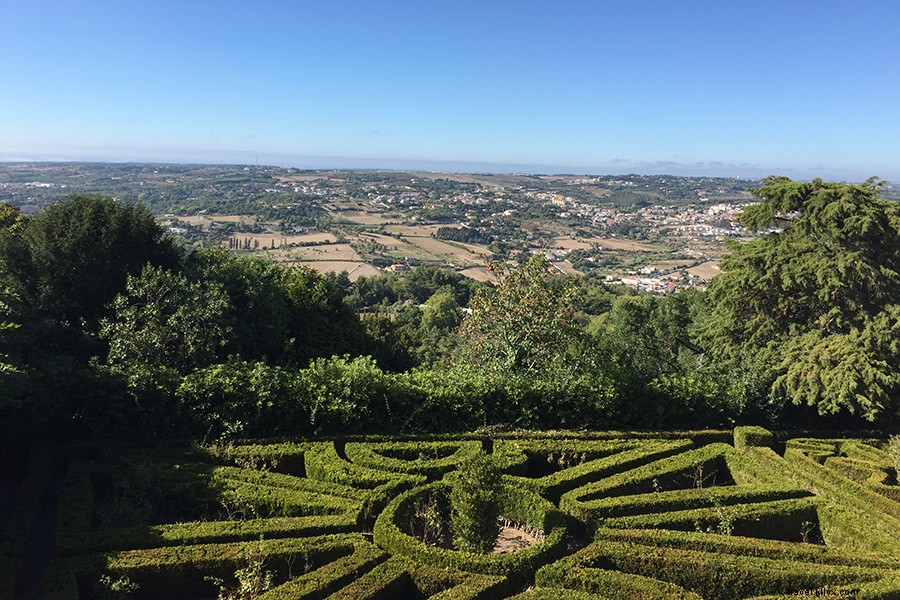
{"points": [[71, 259], [524, 325], [812, 309], [10, 216], [12, 372], [258, 312], [322, 324], [242, 398], [164, 320]]}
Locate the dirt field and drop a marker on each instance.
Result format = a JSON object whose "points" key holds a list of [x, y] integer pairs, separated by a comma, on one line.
{"points": [[331, 252], [265, 239], [440, 248], [706, 270], [362, 218], [205, 221], [417, 230], [384, 240], [355, 270], [612, 243], [567, 268], [479, 274]]}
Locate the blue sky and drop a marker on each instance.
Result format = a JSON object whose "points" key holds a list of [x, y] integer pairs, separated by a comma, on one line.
{"points": [[805, 89]]}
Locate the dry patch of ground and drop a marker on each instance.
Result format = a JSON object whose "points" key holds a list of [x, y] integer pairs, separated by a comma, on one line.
{"points": [[706, 270], [354, 270], [339, 252], [567, 268], [439, 249], [611, 243], [479, 274], [363, 218], [417, 230], [384, 240], [265, 239]]}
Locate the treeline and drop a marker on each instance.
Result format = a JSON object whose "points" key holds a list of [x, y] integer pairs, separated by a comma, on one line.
{"points": [[108, 328]]}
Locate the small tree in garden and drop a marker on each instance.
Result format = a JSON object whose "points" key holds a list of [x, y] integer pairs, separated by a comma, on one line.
{"points": [[475, 504], [894, 451]]}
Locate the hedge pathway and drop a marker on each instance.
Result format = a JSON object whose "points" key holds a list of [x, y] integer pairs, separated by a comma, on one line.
{"points": [[712, 515]]}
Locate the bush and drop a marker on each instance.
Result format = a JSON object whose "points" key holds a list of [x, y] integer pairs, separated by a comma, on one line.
{"points": [[894, 452], [475, 504], [747, 436]]}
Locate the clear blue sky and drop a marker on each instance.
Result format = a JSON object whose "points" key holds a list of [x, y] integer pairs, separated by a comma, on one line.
{"points": [[802, 88]]}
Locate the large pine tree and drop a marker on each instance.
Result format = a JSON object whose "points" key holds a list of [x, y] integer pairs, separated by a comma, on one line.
{"points": [[814, 305]]}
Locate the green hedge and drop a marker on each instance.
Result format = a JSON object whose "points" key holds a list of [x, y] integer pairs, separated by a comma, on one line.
{"points": [[325, 464], [329, 578], [840, 486], [679, 500], [309, 507], [743, 546], [181, 571], [544, 593], [431, 459], [579, 580], [284, 458], [722, 575], [603, 459], [748, 436], [518, 505], [777, 520], [681, 471], [847, 518], [860, 450]]}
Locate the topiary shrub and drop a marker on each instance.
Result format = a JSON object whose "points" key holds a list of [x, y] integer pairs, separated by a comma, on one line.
{"points": [[475, 499], [894, 452], [748, 436]]}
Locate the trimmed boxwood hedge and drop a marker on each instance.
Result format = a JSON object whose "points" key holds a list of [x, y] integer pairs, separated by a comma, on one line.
{"points": [[325, 464], [743, 546], [723, 575], [749, 436], [604, 459], [519, 505], [329, 578], [181, 571], [310, 507], [431, 459], [544, 593], [846, 518], [680, 471], [578, 580], [647, 541]]}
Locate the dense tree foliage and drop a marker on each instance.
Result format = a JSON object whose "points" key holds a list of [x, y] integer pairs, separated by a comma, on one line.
{"points": [[107, 329], [813, 308], [70, 260], [525, 325]]}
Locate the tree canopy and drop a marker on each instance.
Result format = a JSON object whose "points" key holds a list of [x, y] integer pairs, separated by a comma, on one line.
{"points": [[72, 258], [814, 305]]}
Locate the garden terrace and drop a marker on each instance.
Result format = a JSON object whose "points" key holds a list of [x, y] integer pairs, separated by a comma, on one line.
{"points": [[609, 515]]}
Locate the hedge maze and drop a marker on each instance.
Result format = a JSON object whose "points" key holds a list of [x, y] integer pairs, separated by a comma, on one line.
{"points": [[711, 515]]}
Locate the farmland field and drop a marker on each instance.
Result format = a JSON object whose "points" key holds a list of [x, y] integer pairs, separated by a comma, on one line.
{"points": [[712, 514]]}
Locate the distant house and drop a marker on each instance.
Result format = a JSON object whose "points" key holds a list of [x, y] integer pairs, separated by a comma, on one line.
{"points": [[397, 268]]}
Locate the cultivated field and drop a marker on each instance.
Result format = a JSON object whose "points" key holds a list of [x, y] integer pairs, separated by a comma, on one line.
{"points": [[354, 270], [706, 270], [266, 239]]}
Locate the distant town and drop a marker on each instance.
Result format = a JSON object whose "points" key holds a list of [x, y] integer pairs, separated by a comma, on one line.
{"points": [[655, 233]]}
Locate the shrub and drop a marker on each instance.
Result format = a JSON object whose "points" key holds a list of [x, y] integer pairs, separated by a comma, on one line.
{"points": [[747, 436], [475, 504], [894, 452]]}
